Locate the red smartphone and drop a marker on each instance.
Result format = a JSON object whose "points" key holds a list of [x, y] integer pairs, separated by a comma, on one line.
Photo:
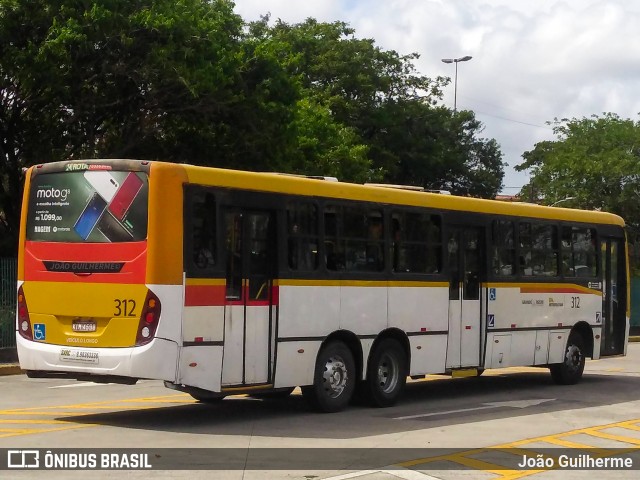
{"points": [[125, 195]]}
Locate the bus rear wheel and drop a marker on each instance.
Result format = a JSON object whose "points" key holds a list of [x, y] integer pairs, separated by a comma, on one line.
{"points": [[207, 398], [386, 373], [570, 371], [334, 379]]}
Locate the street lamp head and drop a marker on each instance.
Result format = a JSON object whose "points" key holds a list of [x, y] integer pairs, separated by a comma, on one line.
{"points": [[464, 59], [447, 60]]}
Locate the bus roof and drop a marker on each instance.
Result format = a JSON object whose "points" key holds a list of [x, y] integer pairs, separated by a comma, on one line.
{"points": [[327, 187]]}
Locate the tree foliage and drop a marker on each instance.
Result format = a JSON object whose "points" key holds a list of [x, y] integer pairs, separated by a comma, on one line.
{"points": [[189, 81], [593, 164], [385, 109]]}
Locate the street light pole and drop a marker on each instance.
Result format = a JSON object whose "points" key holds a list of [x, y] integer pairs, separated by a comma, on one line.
{"points": [[566, 199], [455, 81]]}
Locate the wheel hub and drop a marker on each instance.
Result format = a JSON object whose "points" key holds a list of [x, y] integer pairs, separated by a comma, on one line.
{"points": [[335, 376], [387, 373], [574, 357]]}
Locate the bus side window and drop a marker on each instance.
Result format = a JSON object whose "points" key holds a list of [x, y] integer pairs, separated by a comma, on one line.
{"points": [[416, 242], [334, 255], [201, 237], [302, 236], [504, 252]]}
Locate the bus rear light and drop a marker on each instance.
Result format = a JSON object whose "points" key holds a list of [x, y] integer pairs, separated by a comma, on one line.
{"points": [[24, 322], [148, 319]]}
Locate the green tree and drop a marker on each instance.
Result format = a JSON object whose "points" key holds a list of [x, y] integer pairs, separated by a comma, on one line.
{"points": [[383, 107], [159, 79], [594, 163]]}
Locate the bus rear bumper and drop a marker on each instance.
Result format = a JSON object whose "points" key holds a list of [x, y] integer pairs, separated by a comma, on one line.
{"points": [[157, 360]]}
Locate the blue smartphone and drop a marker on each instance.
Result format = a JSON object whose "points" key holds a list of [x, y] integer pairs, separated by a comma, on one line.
{"points": [[90, 216]]}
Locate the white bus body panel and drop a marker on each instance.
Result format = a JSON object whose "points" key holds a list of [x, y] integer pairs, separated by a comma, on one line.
{"points": [[419, 309], [549, 315], [205, 323], [157, 360], [308, 311], [296, 363], [200, 366], [363, 310]]}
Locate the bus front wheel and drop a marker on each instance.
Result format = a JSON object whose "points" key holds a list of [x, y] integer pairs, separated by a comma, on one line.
{"points": [[570, 370], [386, 373], [334, 379], [203, 398]]}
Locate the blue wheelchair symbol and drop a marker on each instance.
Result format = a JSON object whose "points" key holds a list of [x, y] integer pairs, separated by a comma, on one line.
{"points": [[492, 294], [39, 331]]}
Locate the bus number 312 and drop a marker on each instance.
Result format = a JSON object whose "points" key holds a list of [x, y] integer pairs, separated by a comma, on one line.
{"points": [[124, 307]]}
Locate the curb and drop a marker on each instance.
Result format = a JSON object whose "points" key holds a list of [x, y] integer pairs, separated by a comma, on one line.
{"points": [[10, 369]]}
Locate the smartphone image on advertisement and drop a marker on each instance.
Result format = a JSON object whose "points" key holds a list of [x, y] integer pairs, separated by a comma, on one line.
{"points": [[103, 183], [90, 216], [125, 195], [113, 229]]}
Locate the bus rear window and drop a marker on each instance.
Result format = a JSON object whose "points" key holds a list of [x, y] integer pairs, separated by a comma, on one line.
{"points": [[95, 206]]}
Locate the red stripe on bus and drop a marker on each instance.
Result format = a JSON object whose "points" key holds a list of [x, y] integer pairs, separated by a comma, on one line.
{"points": [[553, 290], [204, 295], [215, 296]]}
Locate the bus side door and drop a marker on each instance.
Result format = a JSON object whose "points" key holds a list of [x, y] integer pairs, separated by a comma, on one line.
{"points": [[249, 314], [464, 249]]}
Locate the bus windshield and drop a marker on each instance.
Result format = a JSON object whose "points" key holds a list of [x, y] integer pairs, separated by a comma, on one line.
{"points": [[94, 206]]}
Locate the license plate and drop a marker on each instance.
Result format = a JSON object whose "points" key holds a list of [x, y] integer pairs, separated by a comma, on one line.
{"points": [[78, 356], [84, 326]]}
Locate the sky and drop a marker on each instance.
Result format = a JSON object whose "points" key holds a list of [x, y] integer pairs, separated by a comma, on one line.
{"points": [[533, 60]]}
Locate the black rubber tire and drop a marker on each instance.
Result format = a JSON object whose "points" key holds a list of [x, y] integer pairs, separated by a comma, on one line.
{"points": [[386, 373], [276, 394], [569, 372], [331, 393], [207, 398]]}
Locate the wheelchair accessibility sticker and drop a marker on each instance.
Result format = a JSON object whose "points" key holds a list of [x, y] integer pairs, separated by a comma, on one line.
{"points": [[492, 294], [39, 331]]}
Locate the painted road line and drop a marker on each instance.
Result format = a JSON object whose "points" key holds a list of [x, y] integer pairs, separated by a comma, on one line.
{"points": [[485, 406], [16, 417], [403, 473], [469, 458], [45, 430], [83, 384]]}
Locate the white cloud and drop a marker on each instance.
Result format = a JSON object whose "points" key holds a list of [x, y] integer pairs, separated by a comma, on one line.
{"points": [[532, 60]]}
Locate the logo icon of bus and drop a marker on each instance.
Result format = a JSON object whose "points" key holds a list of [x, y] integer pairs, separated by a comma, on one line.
{"points": [[23, 459]]}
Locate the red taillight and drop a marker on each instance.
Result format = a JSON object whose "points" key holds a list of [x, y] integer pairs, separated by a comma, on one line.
{"points": [[148, 319], [24, 322]]}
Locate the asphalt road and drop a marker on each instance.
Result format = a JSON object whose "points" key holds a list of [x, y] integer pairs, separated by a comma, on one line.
{"points": [[443, 428]]}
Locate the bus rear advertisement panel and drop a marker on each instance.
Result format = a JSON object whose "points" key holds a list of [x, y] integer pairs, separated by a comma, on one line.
{"points": [[221, 282], [82, 286]]}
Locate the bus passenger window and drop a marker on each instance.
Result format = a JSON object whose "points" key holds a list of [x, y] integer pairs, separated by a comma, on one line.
{"points": [[201, 238], [302, 237], [416, 243], [579, 252], [504, 250]]}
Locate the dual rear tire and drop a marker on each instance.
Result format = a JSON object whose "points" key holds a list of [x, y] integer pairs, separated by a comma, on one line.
{"points": [[335, 377]]}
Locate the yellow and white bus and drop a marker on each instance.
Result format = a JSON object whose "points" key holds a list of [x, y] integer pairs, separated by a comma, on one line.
{"points": [[221, 282]]}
